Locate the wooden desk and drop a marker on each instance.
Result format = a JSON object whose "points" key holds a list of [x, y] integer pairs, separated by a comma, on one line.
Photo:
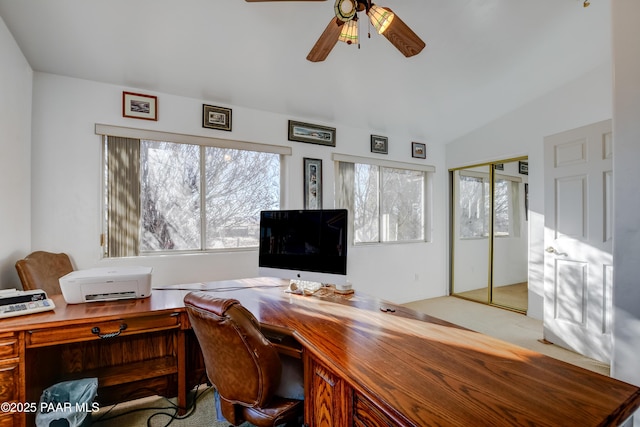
{"points": [[148, 356], [362, 366]]}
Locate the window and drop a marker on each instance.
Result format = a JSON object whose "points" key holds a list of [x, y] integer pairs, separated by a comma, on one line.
{"points": [[366, 189], [163, 196], [170, 207], [402, 202], [387, 201]]}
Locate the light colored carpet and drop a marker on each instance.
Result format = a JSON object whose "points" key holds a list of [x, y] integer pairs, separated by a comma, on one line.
{"points": [[506, 325], [503, 324], [158, 411]]}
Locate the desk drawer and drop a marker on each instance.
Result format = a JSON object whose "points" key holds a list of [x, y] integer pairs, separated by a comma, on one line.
{"points": [[9, 380], [106, 329], [8, 345]]}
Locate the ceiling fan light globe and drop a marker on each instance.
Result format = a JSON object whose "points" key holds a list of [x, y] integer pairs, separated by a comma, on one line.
{"points": [[345, 10], [349, 32], [380, 18]]}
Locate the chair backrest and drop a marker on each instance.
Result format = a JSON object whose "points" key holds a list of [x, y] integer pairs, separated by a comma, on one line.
{"points": [[241, 363], [41, 270]]}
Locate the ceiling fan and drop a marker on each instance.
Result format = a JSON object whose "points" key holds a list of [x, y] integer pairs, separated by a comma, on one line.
{"points": [[344, 27]]}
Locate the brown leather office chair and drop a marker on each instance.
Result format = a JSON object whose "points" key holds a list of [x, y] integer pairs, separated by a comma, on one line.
{"points": [[41, 270], [241, 363]]}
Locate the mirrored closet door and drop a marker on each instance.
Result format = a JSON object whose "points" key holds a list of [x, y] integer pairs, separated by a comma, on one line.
{"points": [[489, 234]]}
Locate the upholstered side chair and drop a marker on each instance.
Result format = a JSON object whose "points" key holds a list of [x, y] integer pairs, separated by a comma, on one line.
{"points": [[41, 270], [243, 366]]}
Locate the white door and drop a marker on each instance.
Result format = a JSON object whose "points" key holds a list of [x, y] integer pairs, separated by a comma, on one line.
{"points": [[578, 240]]}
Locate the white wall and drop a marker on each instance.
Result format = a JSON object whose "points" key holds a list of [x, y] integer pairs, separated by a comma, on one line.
{"points": [[67, 197], [626, 198], [520, 133], [15, 181]]}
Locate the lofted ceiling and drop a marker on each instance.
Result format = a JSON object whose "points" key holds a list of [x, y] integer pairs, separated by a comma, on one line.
{"points": [[483, 57]]}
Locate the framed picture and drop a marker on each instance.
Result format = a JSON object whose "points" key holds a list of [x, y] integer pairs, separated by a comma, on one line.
{"points": [[139, 106], [312, 183], [216, 117], [526, 201], [499, 166], [523, 167], [418, 150], [379, 144], [314, 134]]}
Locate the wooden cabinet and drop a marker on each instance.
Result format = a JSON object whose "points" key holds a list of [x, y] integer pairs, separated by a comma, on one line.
{"points": [[127, 355], [131, 356], [331, 402], [327, 403], [11, 367]]}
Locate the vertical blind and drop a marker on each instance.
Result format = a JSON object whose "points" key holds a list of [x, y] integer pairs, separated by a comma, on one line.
{"points": [[345, 181], [123, 196]]}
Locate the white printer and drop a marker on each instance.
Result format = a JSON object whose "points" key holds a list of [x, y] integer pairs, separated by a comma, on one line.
{"points": [[106, 284]]}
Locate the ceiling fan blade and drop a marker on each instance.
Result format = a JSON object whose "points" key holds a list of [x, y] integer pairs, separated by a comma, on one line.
{"points": [[403, 37], [326, 42]]}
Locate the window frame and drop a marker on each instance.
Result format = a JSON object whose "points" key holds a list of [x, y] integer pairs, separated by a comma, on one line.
{"points": [[347, 201], [105, 131]]}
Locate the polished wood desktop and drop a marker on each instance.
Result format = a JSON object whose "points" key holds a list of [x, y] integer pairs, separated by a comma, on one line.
{"points": [[367, 362]]}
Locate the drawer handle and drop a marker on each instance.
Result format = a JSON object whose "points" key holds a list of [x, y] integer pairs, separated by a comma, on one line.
{"points": [[96, 331]]}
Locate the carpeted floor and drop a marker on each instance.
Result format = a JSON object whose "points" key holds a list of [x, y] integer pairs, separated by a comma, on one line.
{"points": [[158, 411], [503, 324]]}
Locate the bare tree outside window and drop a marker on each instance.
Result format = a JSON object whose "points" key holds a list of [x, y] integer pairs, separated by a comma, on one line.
{"points": [[239, 184], [367, 204], [402, 207], [388, 204], [235, 187], [170, 196]]}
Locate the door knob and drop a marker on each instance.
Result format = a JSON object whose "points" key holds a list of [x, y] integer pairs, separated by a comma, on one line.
{"points": [[551, 250]]}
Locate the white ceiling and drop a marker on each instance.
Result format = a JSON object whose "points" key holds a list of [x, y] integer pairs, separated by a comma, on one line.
{"points": [[483, 57]]}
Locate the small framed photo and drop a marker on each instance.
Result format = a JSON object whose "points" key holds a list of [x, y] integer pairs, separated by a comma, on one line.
{"points": [[418, 150], [523, 167], [216, 117], [312, 183], [139, 106], [313, 134], [379, 144], [526, 201]]}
